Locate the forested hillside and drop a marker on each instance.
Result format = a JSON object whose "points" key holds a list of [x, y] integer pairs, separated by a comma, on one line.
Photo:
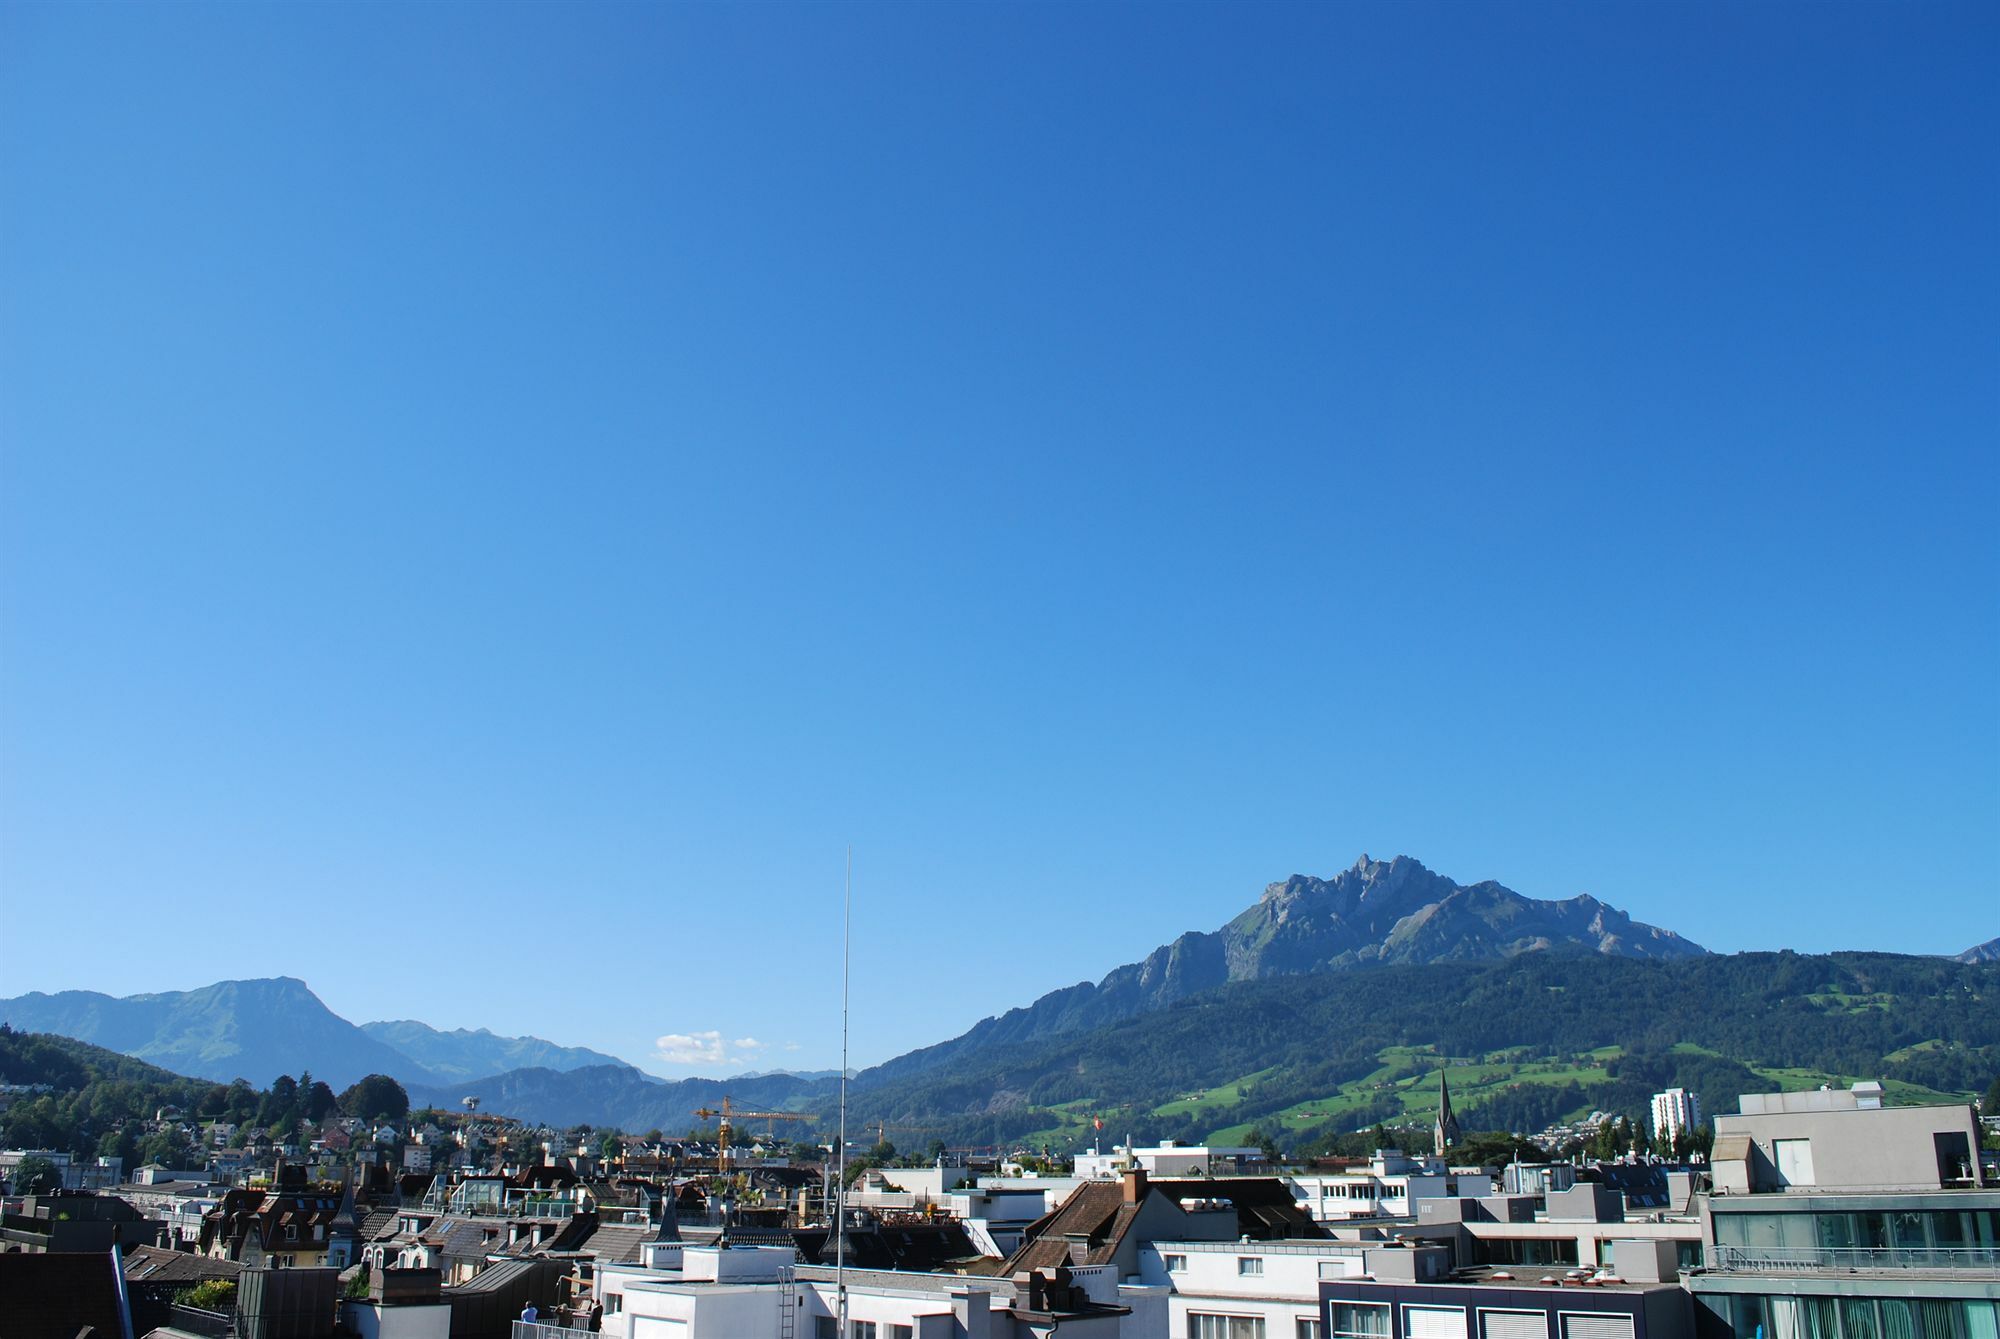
{"points": [[1540, 1037], [98, 1102]]}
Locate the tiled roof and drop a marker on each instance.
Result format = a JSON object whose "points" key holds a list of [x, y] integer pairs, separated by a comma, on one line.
{"points": [[616, 1244], [150, 1264], [469, 1237], [494, 1278], [1095, 1210]]}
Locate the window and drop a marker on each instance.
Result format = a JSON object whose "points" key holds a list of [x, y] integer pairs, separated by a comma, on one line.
{"points": [[1513, 1325], [1596, 1327], [1249, 1265], [1434, 1322], [1175, 1264], [901, 1332], [1205, 1326], [1360, 1320], [1794, 1159], [861, 1329], [1306, 1327], [826, 1328]]}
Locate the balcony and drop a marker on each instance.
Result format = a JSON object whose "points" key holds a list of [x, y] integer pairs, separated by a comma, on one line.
{"points": [[1975, 1260]]}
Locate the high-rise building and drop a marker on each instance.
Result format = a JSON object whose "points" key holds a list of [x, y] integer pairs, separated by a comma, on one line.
{"points": [[1675, 1111]]}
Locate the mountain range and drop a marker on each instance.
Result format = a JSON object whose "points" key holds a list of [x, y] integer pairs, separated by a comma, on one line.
{"points": [[1313, 975], [260, 1029], [1374, 912]]}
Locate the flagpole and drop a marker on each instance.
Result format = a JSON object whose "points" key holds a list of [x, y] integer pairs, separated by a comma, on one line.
{"points": [[840, 1158]]}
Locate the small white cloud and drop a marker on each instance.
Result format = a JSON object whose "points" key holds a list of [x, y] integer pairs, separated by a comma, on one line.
{"points": [[691, 1048], [791, 1046], [747, 1044]]}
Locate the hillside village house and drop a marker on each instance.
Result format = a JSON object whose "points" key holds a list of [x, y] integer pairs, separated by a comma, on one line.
{"points": [[276, 1229]]}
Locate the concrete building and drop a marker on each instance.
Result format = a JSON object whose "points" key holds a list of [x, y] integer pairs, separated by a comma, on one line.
{"points": [[696, 1292], [1170, 1158], [1837, 1217], [1269, 1288], [1675, 1112], [1390, 1186], [1581, 1225], [1413, 1292], [1833, 1139], [77, 1173]]}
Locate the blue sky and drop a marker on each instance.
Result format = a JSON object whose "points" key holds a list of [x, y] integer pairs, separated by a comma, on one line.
{"points": [[507, 494]]}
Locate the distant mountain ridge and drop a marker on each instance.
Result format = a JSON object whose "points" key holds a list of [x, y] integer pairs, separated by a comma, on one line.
{"points": [[474, 1053], [253, 1030], [1986, 952], [259, 1029], [1394, 911], [621, 1097]]}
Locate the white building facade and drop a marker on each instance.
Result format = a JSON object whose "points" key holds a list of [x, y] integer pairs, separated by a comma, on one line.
{"points": [[1675, 1112], [1246, 1289]]}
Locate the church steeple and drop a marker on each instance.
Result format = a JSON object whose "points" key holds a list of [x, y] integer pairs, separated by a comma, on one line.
{"points": [[1446, 1133]]}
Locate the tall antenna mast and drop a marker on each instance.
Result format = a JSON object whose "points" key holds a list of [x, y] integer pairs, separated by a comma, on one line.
{"points": [[840, 1158]]}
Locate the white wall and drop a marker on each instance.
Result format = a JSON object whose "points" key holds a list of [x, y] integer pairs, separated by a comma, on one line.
{"points": [[708, 1312], [373, 1320], [1286, 1292]]}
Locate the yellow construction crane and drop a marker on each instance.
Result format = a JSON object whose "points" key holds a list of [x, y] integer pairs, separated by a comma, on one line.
{"points": [[730, 1114]]}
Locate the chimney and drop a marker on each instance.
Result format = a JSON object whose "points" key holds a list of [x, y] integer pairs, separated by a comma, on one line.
{"points": [[1028, 1287], [1135, 1185], [969, 1309]]}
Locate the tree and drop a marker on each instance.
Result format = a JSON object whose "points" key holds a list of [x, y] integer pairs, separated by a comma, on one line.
{"points": [[319, 1102], [119, 1143], [1991, 1105], [35, 1174], [609, 1146], [168, 1147], [1603, 1140], [210, 1295], [377, 1097]]}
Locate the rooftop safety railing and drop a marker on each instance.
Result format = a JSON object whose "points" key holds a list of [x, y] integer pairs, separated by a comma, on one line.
{"points": [[534, 1329], [1851, 1259], [537, 1208]]}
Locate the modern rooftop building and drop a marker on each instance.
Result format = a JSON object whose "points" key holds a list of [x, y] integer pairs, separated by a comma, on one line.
{"points": [[1837, 1217]]}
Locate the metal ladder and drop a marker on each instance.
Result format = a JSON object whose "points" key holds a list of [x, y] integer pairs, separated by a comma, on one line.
{"points": [[788, 1303]]}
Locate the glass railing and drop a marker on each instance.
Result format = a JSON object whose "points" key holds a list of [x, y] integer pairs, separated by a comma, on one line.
{"points": [[1851, 1259]]}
